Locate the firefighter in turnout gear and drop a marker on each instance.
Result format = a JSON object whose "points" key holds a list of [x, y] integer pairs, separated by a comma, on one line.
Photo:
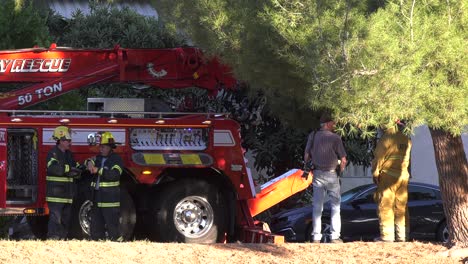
{"points": [[61, 171], [390, 174], [106, 168]]}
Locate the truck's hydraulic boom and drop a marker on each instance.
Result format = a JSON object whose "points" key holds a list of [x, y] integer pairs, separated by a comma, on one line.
{"points": [[55, 71]]}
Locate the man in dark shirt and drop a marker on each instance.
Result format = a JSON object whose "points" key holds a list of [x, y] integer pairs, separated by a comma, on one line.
{"points": [[324, 149]]}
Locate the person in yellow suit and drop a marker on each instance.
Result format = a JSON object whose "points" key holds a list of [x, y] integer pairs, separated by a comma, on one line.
{"points": [[390, 174]]}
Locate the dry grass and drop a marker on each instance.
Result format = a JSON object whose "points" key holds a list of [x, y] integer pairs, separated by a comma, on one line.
{"points": [[149, 252]]}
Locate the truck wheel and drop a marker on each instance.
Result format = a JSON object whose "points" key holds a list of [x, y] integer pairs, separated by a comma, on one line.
{"points": [[81, 209], [82, 215], [127, 215], [38, 225], [190, 211]]}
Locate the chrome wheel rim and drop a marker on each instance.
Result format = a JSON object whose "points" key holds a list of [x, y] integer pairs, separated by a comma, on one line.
{"points": [[193, 216], [84, 216]]}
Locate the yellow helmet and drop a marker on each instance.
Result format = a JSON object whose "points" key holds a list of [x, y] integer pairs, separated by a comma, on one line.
{"points": [[108, 139], [61, 133]]}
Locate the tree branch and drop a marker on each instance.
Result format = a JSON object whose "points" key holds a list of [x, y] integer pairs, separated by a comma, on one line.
{"points": [[365, 72], [411, 20], [449, 13], [344, 36], [402, 10]]}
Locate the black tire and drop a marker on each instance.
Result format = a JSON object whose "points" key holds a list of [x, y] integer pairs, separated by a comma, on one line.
{"points": [[81, 216], [38, 225], [127, 215], [326, 235], [308, 233], [442, 232], [81, 208], [190, 211], [326, 232]]}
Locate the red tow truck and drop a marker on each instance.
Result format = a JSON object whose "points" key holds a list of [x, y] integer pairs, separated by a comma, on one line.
{"points": [[185, 176]]}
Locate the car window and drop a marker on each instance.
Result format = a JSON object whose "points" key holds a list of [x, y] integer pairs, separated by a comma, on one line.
{"points": [[419, 193], [351, 193], [367, 196]]}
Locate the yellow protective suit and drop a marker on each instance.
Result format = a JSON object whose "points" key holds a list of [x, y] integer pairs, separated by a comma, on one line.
{"points": [[390, 173]]}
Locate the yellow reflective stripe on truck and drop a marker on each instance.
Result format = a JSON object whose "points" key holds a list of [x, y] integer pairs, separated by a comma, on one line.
{"points": [[185, 159], [190, 159], [154, 159]]}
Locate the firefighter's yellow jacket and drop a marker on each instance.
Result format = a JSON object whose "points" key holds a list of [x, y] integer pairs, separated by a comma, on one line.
{"points": [[392, 154]]}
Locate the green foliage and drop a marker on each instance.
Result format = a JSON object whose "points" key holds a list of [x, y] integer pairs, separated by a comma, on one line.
{"points": [[21, 25], [106, 26], [235, 31], [277, 148], [73, 100], [419, 58], [370, 62]]}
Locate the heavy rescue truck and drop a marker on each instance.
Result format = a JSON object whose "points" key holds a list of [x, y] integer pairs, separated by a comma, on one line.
{"points": [[185, 177]]}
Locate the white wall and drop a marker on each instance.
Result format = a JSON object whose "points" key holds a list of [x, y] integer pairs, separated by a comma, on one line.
{"points": [[423, 167]]}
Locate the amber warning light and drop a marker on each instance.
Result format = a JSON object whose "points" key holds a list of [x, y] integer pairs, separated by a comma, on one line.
{"points": [[29, 211]]}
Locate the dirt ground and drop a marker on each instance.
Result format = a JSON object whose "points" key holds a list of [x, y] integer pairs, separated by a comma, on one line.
{"points": [[149, 252]]}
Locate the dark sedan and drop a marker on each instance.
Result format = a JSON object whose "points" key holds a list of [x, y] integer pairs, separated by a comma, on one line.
{"points": [[359, 216]]}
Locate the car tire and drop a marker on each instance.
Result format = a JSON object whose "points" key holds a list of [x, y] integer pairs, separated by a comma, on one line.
{"points": [[326, 235], [442, 232], [182, 199], [308, 233]]}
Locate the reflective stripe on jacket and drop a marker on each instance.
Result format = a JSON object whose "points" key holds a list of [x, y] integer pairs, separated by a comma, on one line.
{"points": [[107, 189]]}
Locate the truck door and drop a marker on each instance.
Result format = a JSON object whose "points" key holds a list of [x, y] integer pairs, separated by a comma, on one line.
{"points": [[22, 166], [3, 166]]}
